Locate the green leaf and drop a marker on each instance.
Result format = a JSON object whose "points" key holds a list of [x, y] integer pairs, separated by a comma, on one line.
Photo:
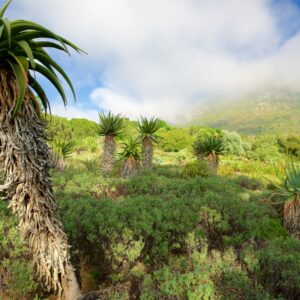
{"points": [[4, 7], [1, 30], [25, 46], [45, 44], [44, 58], [8, 30], [39, 91], [53, 79], [21, 83]]}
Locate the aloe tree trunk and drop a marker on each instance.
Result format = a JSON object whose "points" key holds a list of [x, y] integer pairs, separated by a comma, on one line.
{"points": [[109, 149], [213, 161], [130, 168], [147, 152], [292, 216], [25, 156]]}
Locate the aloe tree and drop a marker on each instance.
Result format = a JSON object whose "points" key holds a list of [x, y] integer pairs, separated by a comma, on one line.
{"points": [[147, 129], [110, 126], [289, 191], [60, 150], [23, 148], [209, 148], [130, 156]]}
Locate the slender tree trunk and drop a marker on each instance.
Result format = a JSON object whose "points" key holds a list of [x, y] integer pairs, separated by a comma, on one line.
{"points": [[147, 153], [25, 156], [130, 168], [292, 216], [109, 149]]}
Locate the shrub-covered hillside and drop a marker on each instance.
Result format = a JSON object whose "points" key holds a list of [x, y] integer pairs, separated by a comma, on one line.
{"points": [[176, 231]]}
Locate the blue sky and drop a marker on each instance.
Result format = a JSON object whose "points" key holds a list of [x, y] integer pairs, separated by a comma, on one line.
{"points": [[165, 57]]}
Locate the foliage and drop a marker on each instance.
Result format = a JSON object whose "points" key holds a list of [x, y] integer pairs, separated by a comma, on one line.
{"points": [[148, 128], [290, 183], [110, 124], [196, 168], [233, 143], [202, 276], [290, 145], [264, 148], [23, 54], [208, 144], [278, 267], [174, 140], [131, 148], [249, 183], [16, 273], [63, 148]]}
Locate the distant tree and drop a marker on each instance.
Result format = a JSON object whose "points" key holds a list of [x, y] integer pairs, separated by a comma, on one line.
{"points": [[209, 147], [130, 156], [289, 191], [24, 152], [147, 129], [110, 126]]}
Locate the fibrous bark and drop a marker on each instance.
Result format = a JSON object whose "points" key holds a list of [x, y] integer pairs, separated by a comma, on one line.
{"points": [[25, 156], [130, 168], [292, 216], [109, 149], [213, 161], [147, 153]]}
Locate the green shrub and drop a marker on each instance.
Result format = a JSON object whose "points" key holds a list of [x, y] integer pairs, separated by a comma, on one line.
{"points": [[290, 145], [249, 183], [16, 273], [278, 267], [174, 140], [234, 144], [201, 276], [197, 168]]}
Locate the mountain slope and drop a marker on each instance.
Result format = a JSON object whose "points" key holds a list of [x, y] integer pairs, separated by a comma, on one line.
{"points": [[268, 112]]}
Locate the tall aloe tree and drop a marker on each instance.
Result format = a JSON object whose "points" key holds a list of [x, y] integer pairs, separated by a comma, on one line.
{"points": [[147, 129], [23, 148], [110, 126], [209, 147], [130, 156]]}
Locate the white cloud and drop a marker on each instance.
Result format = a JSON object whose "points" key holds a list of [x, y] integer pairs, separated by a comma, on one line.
{"points": [[73, 111], [162, 57]]}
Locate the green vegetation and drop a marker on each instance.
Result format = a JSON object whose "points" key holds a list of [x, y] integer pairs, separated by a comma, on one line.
{"points": [[177, 231], [267, 112]]}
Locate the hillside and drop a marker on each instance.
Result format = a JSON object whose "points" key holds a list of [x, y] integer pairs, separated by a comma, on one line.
{"points": [[269, 112]]}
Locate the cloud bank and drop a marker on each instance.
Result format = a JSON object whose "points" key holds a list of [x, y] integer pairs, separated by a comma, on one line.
{"points": [[164, 57]]}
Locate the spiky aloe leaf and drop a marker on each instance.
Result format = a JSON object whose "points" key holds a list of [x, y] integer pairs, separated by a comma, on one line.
{"points": [[21, 83], [25, 46], [4, 7], [110, 124], [148, 128]]}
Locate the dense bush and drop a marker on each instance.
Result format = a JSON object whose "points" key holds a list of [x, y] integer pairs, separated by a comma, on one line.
{"points": [[276, 266], [290, 145], [264, 148], [202, 276], [164, 217], [174, 140], [16, 274], [234, 144], [196, 168]]}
